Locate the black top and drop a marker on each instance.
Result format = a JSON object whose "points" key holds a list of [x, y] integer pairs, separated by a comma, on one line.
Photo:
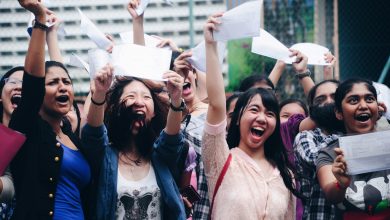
{"points": [[36, 167]]}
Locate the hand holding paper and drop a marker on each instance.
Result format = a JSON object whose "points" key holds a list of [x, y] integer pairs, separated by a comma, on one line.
{"points": [[137, 7], [198, 58], [366, 153], [242, 21], [89, 28]]}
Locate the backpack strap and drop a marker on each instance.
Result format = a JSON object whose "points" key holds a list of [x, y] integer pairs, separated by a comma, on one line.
{"points": [[219, 181]]}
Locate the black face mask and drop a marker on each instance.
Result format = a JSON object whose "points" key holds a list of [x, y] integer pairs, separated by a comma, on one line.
{"points": [[325, 118]]}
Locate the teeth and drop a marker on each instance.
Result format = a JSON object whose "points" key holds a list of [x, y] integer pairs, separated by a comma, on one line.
{"points": [[257, 131]]}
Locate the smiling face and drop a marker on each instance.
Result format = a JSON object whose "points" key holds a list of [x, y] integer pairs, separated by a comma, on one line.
{"points": [[359, 110], [11, 93], [137, 96], [59, 93], [256, 125]]}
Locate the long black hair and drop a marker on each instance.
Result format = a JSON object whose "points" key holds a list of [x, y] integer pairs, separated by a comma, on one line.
{"points": [[274, 150], [118, 120]]}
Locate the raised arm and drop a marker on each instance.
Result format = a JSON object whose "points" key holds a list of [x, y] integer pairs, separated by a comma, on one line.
{"points": [[35, 59], [216, 112], [52, 39], [99, 88], [328, 70], [276, 72], [138, 22], [300, 67], [175, 87]]}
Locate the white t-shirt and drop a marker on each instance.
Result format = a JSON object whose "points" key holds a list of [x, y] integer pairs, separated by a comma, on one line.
{"points": [[138, 199]]}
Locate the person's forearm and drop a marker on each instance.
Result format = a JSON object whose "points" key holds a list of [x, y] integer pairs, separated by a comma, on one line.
{"points": [[96, 112], [334, 194], [276, 72], [215, 85], [138, 30], [174, 119], [53, 46], [307, 83], [35, 58]]}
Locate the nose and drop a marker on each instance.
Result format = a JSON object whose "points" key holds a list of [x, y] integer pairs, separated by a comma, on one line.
{"points": [[363, 105], [261, 118], [139, 102]]}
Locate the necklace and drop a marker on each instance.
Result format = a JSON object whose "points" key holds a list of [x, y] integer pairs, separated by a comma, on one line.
{"points": [[137, 162]]}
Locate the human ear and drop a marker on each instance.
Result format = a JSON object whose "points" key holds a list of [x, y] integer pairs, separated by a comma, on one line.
{"points": [[339, 115]]}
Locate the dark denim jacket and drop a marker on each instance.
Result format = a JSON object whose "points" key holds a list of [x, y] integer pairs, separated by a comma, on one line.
{"points": [[168, 150]]}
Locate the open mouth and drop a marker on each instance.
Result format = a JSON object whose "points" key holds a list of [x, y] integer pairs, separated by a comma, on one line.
{"points": [[62, 98], [15, 99], [258, 132], [363, 117], [186, 85], [139, 116]]}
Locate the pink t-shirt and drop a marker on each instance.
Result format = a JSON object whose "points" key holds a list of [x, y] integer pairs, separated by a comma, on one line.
{"points": [[245, 193]]}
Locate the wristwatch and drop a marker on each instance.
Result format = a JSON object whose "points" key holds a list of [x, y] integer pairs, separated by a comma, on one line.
{"points": [[181, 108], [37, 24], [303, 75]]}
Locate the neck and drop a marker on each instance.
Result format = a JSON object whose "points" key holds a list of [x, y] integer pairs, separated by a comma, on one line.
{"points": [[54, 122], [256, 154], [6, 119]]}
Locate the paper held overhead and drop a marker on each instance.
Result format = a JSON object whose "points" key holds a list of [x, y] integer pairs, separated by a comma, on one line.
{"points": [[366, 153], [142, 6], [76, 61], [90, 29], [242, 21], [150, 41], [198, 58], [140, 61], [97, 59], [268, 45], [314, 52]]}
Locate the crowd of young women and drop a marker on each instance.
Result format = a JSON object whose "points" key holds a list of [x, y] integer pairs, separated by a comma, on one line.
{"points": [[144, 142]]}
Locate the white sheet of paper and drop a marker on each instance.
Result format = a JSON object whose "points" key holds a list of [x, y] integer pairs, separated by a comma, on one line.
{"points": [[366, 153], [140, 61], [141, 8], [267, 45], [242, 21], [76, 61], [90, 29], [97, 59], [383, 96], [198, 58], [314, 52], [150, 41]]}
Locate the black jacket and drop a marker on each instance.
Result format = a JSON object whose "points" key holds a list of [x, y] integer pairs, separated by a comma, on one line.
{"points": [[36, 167]]}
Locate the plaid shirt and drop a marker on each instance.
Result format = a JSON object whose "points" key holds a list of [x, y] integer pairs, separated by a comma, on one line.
{"points": [[306, 147], [193, 132]]}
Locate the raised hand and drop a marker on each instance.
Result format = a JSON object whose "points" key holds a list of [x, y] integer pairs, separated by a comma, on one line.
{"points": [[339, 169], [110, 38], [132, 6], [37, 8], [102, 83], [210, 26], [166, 42], [174, 86], [328, 70], [181, 65], [300, 64]]}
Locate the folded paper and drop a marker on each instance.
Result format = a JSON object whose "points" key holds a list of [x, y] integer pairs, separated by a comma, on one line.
{"points": [[198, 58]]}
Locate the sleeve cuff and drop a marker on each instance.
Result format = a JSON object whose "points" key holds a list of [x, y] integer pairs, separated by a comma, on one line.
{"points": [[215, 129]]}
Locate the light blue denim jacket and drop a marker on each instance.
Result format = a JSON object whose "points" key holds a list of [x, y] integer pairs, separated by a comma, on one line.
{"points": [[167, 153]]}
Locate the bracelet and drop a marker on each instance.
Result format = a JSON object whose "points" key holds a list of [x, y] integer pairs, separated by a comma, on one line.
{"points": [[39, 25], [339, 186], [98, 103], [303, 75]]}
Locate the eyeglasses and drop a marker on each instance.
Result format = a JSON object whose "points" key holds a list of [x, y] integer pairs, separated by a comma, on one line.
{"points": [[13, 81]]}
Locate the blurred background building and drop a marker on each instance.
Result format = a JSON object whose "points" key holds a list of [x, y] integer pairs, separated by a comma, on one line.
{"points": [[355, 31]]}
